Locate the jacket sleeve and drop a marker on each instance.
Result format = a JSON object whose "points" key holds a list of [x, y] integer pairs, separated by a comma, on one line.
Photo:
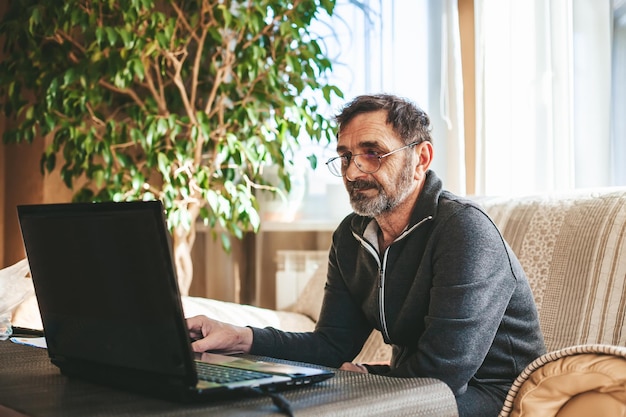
{"points": [[339, 334]]}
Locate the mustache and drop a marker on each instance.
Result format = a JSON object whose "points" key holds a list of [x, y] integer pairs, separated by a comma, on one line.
{"points": [[361, 185]]}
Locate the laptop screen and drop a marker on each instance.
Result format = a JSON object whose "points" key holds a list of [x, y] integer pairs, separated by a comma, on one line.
{"points": [[106, 285]]}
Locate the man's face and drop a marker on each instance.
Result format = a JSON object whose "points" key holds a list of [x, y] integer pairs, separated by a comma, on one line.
{"points": [[382, 191]]}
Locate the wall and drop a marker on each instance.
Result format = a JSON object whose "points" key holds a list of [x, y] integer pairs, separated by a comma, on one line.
{"points": [[23, 184], [2, 198], [20, 187], [466, 24], [2, 165]]}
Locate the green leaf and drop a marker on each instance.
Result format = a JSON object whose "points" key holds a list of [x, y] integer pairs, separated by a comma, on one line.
{"points": [[111, 35], [226, 242]]}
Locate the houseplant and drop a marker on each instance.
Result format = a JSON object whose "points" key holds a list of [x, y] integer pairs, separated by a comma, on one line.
{"points": [[180, 100]]}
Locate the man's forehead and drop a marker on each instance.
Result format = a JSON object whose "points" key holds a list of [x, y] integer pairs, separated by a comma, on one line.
{"points": [[365, 130], [373, 119]]}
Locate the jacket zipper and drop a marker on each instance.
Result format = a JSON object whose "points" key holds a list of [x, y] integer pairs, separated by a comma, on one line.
{"points": [[382, 267], [381, 297]]}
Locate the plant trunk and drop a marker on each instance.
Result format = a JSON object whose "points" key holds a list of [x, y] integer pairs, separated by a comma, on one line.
{"points": [[183, 240]]}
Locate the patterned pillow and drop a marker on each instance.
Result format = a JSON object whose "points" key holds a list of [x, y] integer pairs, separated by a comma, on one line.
{"points": [[573, 249]]}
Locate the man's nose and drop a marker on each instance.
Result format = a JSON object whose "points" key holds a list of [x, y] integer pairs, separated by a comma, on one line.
{"points": [[352, 172]]}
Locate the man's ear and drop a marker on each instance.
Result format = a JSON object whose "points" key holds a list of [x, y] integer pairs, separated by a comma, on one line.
{"points": [[424, 153]]}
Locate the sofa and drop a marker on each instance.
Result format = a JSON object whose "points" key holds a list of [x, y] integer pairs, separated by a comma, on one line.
{"points": [[573, 249]]}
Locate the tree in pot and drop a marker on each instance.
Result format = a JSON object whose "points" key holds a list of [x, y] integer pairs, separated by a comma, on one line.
{"points": [[179, 100]]}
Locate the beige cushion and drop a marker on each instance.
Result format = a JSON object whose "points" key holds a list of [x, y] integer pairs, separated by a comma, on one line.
{"points": [[17, 296], [375, 350], [26, 315], [573, 249], [246, 315], [310, 300]]}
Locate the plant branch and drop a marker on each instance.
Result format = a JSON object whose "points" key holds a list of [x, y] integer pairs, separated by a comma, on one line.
{"points": [[155, 87], [178, 81], [125, 91], [182, 18], [198, 58], [94, 118]]}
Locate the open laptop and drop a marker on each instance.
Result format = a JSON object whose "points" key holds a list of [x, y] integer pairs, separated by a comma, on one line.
{"points": [[110, 305]]}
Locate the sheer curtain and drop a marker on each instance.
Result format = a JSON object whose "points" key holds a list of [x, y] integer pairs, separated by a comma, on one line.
{"points": [[543, 88]]}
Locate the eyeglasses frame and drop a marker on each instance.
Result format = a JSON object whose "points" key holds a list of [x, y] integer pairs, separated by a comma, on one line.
{"points": [[351, 157]]}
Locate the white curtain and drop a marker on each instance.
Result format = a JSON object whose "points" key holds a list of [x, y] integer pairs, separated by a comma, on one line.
{"points": [[543, 88]]}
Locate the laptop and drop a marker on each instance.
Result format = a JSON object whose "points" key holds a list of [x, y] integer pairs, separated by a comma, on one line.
{"points": [[107, 291]]}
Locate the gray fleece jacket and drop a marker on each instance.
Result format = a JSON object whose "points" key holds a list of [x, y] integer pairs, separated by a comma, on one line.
{"points": [[449, 295]]}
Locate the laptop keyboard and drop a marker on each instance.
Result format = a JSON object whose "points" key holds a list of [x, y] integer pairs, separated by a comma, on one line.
{"points": [[223, 374]]}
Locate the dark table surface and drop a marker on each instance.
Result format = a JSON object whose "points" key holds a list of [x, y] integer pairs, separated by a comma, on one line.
{"points": [[30, 385]]}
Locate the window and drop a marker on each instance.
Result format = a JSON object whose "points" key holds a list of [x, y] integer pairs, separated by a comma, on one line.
{"points": [[544, 96], [550, 87]]}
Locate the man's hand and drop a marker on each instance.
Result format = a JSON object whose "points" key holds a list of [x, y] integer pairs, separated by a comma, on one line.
{"points": [[354, 367], [209, 334]]}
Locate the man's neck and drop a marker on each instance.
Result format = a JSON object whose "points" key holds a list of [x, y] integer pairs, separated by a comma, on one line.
{"points": [[394, 222], [390, 229]]}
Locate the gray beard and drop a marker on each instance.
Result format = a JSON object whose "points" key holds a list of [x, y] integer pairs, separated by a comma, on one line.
{"points": [[383, 202]]}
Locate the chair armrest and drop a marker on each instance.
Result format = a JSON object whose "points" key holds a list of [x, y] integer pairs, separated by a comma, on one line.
{"points": [[246, 315], [577, 373]]}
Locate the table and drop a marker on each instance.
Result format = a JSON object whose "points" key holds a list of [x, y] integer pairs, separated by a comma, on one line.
{"points": [[30, 385]]}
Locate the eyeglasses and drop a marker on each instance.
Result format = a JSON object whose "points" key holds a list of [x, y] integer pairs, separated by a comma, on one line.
{"points": [[367, 163]]}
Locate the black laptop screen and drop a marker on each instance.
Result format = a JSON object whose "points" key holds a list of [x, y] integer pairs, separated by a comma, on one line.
{"points": [[106, 285]]}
